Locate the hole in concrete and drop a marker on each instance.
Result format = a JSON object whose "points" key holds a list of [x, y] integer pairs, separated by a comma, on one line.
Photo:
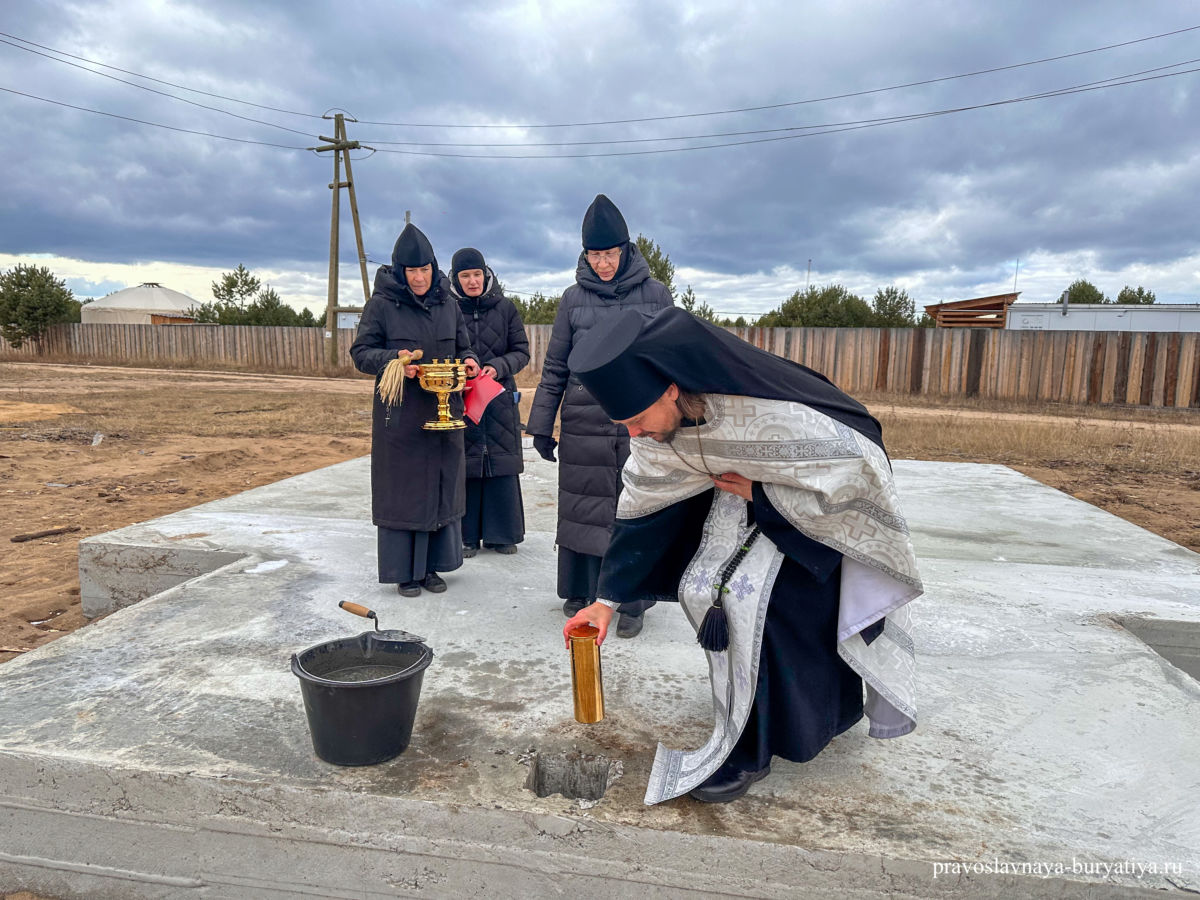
{"points": [[1176, 642], [576, 776]]}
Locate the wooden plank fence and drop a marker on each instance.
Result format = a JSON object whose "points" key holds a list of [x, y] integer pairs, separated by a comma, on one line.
{"points": [[1156, 369], [287, 350]]}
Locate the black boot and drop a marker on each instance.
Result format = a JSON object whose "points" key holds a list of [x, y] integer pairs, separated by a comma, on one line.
{"points": [[570, 607], [434, 583], [727, 783], [629, 626]]}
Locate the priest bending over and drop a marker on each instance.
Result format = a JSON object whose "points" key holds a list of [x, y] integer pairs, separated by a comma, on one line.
{"points": [[761, 498]]}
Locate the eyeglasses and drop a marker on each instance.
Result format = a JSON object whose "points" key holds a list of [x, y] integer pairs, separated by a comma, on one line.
{"points": [[612, 256]]}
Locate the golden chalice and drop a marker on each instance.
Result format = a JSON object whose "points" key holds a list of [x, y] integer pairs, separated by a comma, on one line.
{"points": [[443, 377]]}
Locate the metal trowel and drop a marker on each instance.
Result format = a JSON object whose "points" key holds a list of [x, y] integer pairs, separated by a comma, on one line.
{"points": [[387, 634]]}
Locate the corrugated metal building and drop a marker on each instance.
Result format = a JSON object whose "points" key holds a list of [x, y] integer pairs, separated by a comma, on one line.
{"points": [[1170, 317]]}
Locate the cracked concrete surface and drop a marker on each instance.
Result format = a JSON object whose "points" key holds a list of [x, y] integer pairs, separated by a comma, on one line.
{"points": [[163, 752]]}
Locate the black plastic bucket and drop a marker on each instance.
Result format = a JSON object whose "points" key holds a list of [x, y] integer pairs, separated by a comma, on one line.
{"points": [[360, 696]]}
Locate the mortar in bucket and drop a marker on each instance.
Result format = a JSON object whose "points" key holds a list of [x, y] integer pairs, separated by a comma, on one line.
{"points": [[360, 693]]}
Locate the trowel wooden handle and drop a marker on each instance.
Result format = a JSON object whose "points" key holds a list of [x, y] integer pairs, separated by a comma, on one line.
{"points": [[406, 358], [356, 608]]}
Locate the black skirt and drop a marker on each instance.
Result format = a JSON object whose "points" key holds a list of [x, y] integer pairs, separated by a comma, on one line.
{"points": [[578, 574], [411, 555], [495, 514]]}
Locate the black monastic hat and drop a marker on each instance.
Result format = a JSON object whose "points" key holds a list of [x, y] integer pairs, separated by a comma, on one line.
{"points": [[628, 360], [615, 363], [603, 225], [412, 249]]}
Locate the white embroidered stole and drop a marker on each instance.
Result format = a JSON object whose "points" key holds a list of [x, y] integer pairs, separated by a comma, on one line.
{"points": [[733, 673]]}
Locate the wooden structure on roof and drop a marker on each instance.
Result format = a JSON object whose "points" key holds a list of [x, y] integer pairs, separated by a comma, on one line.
{"points": [[982, 312]]}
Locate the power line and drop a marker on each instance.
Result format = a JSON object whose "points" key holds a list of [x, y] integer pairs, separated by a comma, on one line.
{"points": [[836, 129], [864, 93], [182, 87], [722, 112], [883, 120], [98, 112], [143, 87], [1059, 92]]}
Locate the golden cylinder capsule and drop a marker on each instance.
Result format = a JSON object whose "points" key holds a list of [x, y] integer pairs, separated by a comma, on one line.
{"points": [[586, 682]]}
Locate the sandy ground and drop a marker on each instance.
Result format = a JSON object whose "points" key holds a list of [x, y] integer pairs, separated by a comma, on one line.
{"points": [[64, 464], [99, 448]]}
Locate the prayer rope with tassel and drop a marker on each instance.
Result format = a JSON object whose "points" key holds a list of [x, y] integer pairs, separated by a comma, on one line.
{"points": [[713, 634], [391, 381]]}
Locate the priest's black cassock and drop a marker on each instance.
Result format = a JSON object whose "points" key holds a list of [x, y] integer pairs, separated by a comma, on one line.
{"points": [[805, 692]]}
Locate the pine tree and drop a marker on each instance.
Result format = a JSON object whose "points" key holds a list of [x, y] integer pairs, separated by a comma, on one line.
{"points": [[31, 300]]}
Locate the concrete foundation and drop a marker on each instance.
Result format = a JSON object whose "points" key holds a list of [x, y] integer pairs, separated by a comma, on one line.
{"points": [[164, 751]]}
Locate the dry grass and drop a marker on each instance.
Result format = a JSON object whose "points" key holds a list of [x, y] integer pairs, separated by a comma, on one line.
{"points": [[147, 413], [1108, 445], [196, 364], [992, 405]]}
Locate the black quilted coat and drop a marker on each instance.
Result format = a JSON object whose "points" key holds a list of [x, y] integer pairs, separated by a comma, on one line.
{"points": [[417, 480], [591, 448], [498, 339]]}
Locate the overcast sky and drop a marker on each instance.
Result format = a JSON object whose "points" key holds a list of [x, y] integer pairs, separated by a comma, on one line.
{"points": [[1101, 184]]}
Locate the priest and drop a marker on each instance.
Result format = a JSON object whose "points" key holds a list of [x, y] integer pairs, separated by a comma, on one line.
{"points": [[760, 497]]}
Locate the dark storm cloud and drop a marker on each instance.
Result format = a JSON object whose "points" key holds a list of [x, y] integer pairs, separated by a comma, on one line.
{"points": [[950, 200]]}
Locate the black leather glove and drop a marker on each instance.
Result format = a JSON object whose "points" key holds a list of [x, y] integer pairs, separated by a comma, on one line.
{"points": [[544, 445]]}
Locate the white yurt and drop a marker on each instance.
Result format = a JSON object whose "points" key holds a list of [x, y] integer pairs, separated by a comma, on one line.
{"points": [[146, 304]]}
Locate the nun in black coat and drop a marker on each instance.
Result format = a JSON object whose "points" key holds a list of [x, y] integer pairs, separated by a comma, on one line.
{"points": [[417, 476], [495, 514]]}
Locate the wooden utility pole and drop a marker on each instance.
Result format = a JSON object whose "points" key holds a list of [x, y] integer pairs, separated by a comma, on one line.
{"points": [[341, 147]]}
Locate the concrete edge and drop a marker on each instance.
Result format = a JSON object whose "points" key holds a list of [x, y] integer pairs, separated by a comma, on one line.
{"points": [[118, 573], [172, 834]]}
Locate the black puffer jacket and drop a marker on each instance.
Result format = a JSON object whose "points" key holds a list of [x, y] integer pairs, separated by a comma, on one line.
{"points": [[498, 338], [417, 480], [592, 449]]}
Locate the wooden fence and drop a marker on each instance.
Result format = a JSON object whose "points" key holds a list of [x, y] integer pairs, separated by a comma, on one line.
{"points": [[268, 348], [1157, 369]]}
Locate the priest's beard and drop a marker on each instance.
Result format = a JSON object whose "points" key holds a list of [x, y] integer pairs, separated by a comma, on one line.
{"points": [[690, 407]]}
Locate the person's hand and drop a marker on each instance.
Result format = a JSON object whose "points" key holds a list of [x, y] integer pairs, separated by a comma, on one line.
{"points": [[471, 366], [410, 371], [735, 484], [544, 445], [489, 370], [596, 614]]}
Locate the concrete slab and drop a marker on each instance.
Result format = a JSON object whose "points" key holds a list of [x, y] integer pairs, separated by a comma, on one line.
{"points": [[163, 751]]}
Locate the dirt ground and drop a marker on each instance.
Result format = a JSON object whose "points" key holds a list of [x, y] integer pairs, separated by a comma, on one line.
{"points": [[98, 448]]}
